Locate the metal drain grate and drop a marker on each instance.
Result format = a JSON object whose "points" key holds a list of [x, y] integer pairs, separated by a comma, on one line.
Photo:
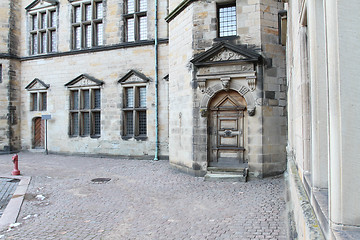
{"points": [[100, 180]]}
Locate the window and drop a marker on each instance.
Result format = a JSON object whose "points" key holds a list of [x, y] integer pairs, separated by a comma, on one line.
{"points": [[134, 110], [87, 24], [135, 20], [38, 101], [85, 105], [43, 31], [227, 20]]}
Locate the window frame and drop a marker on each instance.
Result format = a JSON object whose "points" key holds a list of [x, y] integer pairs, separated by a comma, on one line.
{"points": [[82, 110], [85, 24], [135, 109], [218, 7], [39, 106], [136, 15], [36, 33]]}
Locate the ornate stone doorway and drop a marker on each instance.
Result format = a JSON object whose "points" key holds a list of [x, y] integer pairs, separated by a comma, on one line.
{"points": [[226, 130]]}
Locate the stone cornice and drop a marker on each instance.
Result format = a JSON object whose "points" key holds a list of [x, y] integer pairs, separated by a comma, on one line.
{"points": [[95, 49], [184, 4]]}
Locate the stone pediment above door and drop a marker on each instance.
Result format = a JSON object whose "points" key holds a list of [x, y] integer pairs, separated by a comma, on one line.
{"points": [[223, 53], [37, 84], [84, 80], [39, 4]]}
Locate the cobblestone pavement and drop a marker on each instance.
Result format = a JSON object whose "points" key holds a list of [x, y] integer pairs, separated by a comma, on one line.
{"points": [[143, 200], [7, 188]]}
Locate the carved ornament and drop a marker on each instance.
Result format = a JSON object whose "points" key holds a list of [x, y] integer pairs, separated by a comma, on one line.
{"points": [[225, 83], [251, 80], [226, 55]]}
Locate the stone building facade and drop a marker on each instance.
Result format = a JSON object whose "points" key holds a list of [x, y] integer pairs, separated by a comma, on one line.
{"points": [[199, 82], [323, 146]]}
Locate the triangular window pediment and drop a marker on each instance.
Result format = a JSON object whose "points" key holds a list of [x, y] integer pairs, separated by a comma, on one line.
{"points": [[84, 80], [40, 4], [37, 84], [225, 52], [132, 77]]}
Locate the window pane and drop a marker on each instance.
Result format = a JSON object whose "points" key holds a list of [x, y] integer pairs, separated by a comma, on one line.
{"points": [[53, 19], [75, 123], [43, 20], [129, 98], [142, 97], [77, 33], [130, 30], [53, 41], [88, 15], [97, 101], [143, 28], [75, 100], [129, 123], [142, 123], [227, 21], [43, 42], [99, 10], [34, 44], [143, 5], [34, 22], [86, 99], [33, 102], [88, 35], [130, 6], [43, 101], [99, 34], [86, 123], [97, 125], [77, 14]]}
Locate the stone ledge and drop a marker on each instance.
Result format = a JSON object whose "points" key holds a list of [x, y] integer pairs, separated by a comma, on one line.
{"points": [[306, 223], [12, 209]]}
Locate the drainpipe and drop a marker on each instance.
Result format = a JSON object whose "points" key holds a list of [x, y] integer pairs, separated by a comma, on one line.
{"points": [[156, 85]]}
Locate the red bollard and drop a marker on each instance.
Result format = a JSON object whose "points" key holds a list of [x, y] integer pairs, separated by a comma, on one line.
{"points": [[15, 160]]}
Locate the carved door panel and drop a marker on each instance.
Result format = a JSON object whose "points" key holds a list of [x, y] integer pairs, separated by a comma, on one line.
{"points": [[38, 128], [226, 132]]}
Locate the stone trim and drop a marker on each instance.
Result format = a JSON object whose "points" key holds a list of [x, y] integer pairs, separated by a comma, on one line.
{"points": [[89, 81], [34, 82], [183, 5], [90, 50], [299, 205], [244, 91], [138, 78]]}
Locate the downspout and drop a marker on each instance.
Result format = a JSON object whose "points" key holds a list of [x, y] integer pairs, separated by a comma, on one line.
{"points": [[156, 85]]}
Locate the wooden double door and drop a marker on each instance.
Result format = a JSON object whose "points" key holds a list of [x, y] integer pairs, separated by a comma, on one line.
{"points": [[226, 130], [38, 133]]}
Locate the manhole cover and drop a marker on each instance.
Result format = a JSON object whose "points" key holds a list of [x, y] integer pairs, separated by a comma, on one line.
{"points": [[100, 180]]}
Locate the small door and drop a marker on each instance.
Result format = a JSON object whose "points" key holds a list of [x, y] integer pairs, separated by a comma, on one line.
{"points": [[38, 137], [226, 130]]}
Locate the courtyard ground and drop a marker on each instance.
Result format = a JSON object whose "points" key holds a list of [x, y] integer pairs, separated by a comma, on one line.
{"points": [[143, 200]]}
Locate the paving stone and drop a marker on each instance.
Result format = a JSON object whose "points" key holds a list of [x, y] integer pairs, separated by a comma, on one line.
{"points": [[143, 200]]}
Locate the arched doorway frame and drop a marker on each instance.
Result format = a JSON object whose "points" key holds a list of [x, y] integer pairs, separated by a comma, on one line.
{"points": [[212, 91]]}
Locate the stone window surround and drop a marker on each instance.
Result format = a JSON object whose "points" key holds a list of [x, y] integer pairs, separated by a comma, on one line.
{"points": [[93, 22], [136, 15], [220, 6], [39, 30], [40, 104], [135, 80], [135, 109], [81, 111]]}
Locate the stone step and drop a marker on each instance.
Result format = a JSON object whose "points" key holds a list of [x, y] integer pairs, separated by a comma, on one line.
{"points": [[231, 176]]}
